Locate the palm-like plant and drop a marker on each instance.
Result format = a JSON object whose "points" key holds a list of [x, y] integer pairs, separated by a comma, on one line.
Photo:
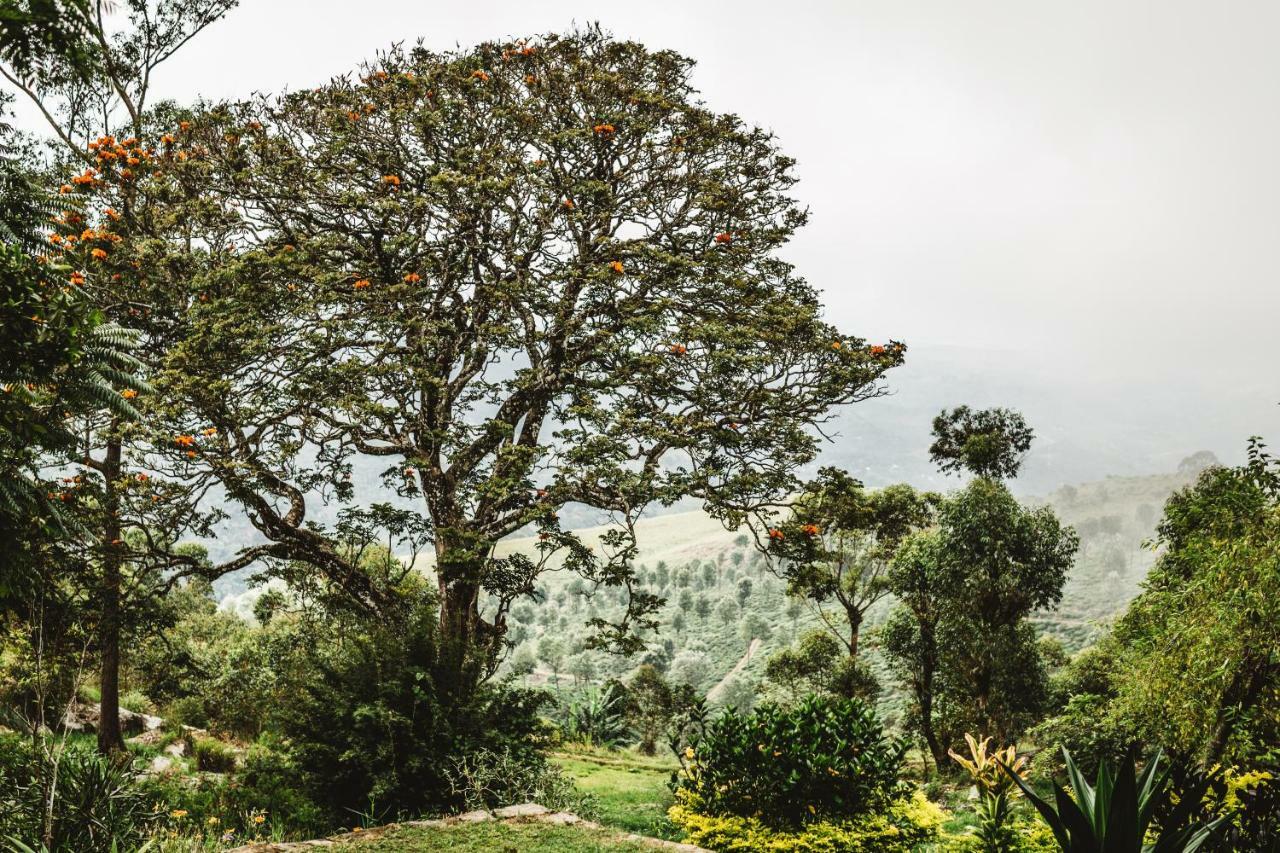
{"points": [[1114, 814], [596, 718], [985, 766]]}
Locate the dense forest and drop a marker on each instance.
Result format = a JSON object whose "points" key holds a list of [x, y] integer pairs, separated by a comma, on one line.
{"points": [[450, 439]]}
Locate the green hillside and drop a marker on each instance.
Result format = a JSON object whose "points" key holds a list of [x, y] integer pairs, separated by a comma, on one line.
{"points": [[726, 613]]}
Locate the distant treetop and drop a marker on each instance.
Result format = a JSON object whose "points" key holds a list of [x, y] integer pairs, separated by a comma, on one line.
{"points": [[988, 443]]}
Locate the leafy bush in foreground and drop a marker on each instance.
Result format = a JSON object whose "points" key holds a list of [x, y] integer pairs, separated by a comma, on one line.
{"points": [[375, 725], [98, 805], [901, 827], [488, 779], [823, 759]]}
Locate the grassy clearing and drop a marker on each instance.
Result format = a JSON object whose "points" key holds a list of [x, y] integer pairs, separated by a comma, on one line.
{"points": [[495, 837], [631, 789]]}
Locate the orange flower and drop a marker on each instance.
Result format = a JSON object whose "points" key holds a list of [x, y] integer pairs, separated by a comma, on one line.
{"points": [[128, 393], [353, 115], [142, 478], [603, 129], [482, 76], [191, 454], [877, 350], [776, 535], [678, 349], [724, 237], [412, 278], [126, 173], [77, 278], [391, 180], [111, 212], [568, 204], [811, 530], [530, 79], [99, 254], [209, 431], [184, 440], [168, 139], [835, 345], [616, 266], [361, 284], [184, 125], [288, 247]]}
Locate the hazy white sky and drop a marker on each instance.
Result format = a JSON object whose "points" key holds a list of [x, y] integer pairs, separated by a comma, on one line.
{"points": [[1093, 186]]}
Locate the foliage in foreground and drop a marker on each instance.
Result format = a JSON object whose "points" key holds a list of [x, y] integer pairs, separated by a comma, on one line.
{"points": [[1116, 812], [375, 726], [898, 828], [823, 758]]}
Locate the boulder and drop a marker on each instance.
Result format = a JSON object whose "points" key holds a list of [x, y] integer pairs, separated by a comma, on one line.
{"points": [[521, 810]]}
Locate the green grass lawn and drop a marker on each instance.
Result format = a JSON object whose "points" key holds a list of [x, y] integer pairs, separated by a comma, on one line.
{"points": [[631, 790], [496, 837]]}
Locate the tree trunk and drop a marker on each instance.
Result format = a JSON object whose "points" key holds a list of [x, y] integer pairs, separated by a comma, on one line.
{"points": [[924, 697], [469, 641], [1243, 692], [854, 615], [109, 737]]}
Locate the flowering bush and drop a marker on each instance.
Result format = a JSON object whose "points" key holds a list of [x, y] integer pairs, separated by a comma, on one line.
{"points": [[906, 823]]}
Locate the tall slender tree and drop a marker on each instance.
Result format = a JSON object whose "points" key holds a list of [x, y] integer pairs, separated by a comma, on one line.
{"points": [[92, 84]]}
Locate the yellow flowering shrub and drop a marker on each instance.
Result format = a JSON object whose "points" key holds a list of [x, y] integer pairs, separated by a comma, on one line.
{"points": [[905, 824]]}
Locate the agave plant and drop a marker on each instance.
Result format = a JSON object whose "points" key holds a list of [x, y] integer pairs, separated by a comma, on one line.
{"points": [[1114, 814]]}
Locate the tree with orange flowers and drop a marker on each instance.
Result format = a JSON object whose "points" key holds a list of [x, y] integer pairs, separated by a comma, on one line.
{"points": [[88, 67], [835, 551], [512, 350]]}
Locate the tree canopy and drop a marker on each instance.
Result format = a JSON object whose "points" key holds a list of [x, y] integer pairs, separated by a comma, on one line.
{"points": [[524, 275]]}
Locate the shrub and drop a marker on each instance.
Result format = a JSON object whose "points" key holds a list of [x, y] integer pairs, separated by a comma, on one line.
{"points": [[487, 780], [263, 797], [137, 702], [97, 803], [826, 758], [901, 827], [374, 724], [213, 756]]}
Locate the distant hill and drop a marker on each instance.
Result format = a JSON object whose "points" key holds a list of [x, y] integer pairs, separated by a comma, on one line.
{"points": [[690, 557]]}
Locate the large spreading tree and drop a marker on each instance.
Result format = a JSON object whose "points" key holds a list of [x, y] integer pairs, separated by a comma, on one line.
{"points": [[524, 275]]}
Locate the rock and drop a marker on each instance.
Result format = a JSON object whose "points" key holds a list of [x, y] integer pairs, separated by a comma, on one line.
{"points": [[477, 816], [160, 764], [563, 819], [521, 810]]}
